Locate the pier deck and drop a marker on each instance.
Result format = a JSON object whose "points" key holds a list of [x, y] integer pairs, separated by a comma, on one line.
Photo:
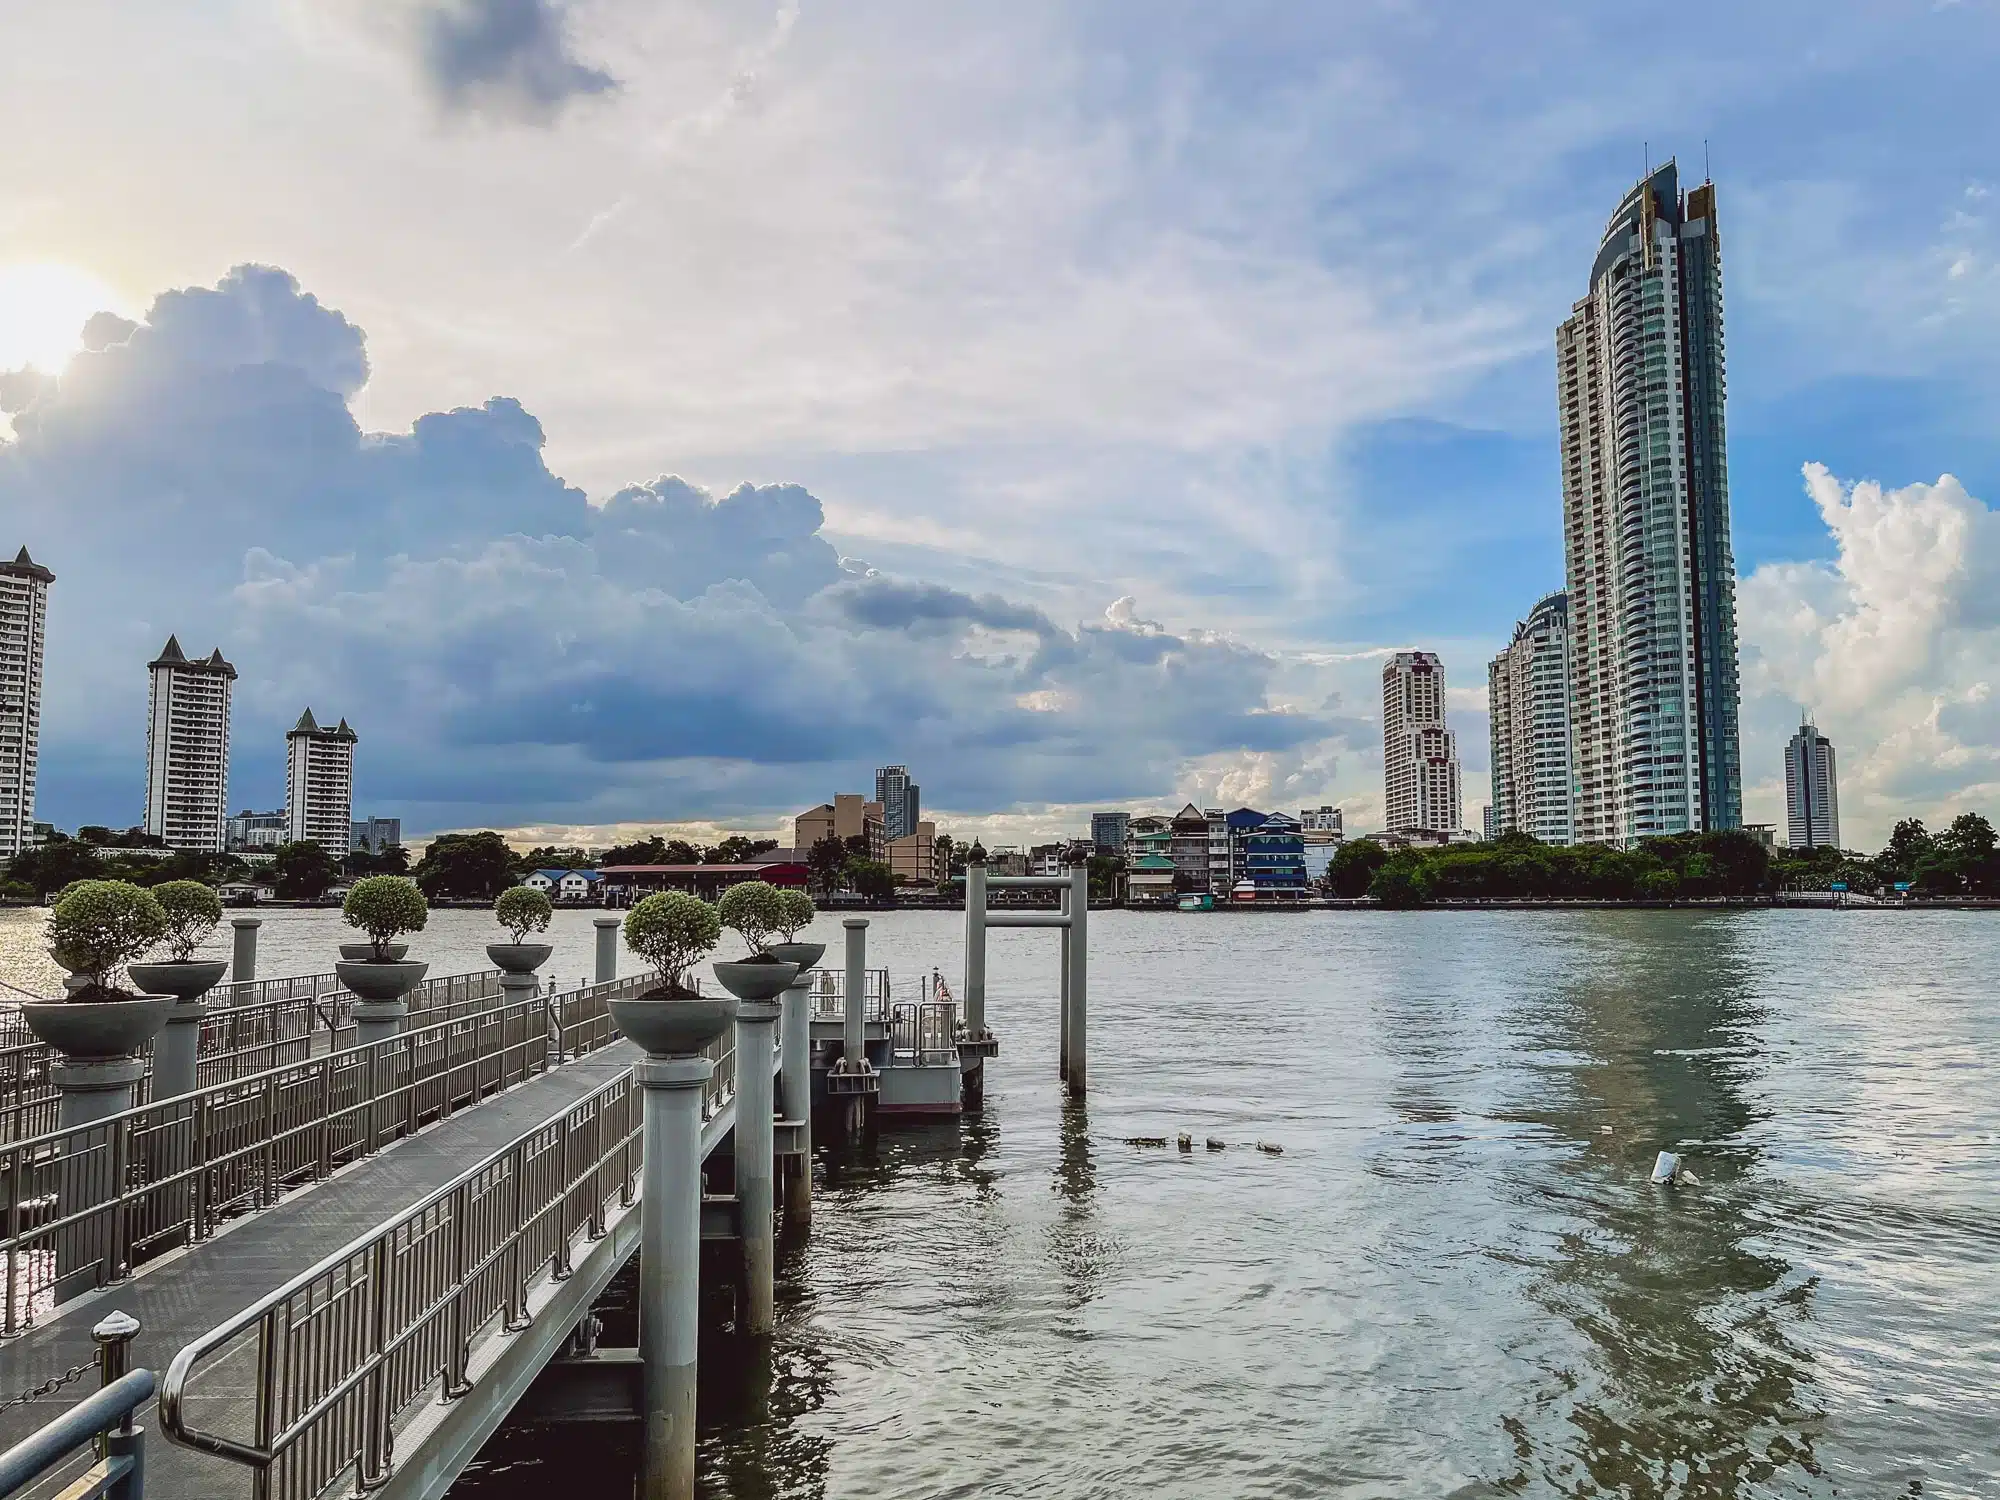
{"points": [[181, 1296]]}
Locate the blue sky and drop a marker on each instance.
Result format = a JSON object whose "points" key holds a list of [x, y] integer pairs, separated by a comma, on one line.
{"points": [[1114, 384]]}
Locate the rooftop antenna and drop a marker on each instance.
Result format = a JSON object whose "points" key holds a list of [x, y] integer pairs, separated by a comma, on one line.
{"points": [[1646, 151], [1706, 175]]}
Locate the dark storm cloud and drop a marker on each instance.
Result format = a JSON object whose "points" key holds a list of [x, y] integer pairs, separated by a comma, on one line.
{"points": [[511, 56]]}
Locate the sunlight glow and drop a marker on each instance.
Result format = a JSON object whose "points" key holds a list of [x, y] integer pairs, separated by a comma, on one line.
{"points": [[42, 312]]}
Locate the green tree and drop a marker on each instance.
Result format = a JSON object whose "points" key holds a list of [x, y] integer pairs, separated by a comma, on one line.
{"points": [[872, 879], [646, 851], [740, 848], [385, 907], [1354, 868], [466, 867], [62, 861], [393, 860], [1104, 872], [555, 857], [671, 930], [1401, 882], [302, 871], [99, 925], [826, 864]]}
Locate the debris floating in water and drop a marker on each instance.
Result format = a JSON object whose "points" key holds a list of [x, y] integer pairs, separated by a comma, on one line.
{"points": [[1214, 1144], [1269, 1149], [1187, 1141], [1145, 1140], [1669, 1170]]}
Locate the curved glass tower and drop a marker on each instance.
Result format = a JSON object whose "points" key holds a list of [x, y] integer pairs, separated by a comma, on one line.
{"points": [[1652, 580]]}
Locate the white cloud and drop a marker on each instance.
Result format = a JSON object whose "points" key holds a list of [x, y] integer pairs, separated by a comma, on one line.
{"points": [[1894, 646]]}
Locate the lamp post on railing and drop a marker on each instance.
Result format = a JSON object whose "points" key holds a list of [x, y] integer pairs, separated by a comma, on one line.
{"points": [[672, 1076]]}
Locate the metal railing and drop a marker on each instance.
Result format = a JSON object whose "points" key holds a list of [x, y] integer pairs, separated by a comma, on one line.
{"points": [[829, 998], [84, 1206], [236, 1040], [923, 1033], [340, 1353]]}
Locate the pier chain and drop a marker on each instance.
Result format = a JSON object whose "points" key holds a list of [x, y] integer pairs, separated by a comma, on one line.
{"points": [[50, 1386]]}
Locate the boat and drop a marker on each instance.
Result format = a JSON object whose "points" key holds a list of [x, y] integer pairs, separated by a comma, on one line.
{"points": [[1201, 902]]}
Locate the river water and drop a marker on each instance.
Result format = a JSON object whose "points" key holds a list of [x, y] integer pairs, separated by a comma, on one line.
{"points": [[1456, 1280]]}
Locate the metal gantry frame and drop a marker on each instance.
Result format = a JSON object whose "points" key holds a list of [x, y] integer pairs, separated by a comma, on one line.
{"points": [[1072, 920]]}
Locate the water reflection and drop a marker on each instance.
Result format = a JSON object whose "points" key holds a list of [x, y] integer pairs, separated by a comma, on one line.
{"points": [[1693, 1384], [1077, 1245]]}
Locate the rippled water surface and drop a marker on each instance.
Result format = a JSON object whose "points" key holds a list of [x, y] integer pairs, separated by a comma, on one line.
{"points": [[1456, 1280]]}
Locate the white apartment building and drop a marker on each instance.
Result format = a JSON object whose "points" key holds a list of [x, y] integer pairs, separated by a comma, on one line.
{"points": [[1420, 778], [319, 785], [1527, 688], [1651, 576], [24, 611], [1324, 820], [187, 749], [1812, 790]]}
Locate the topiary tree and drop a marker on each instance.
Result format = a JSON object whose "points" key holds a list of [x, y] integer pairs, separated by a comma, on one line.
{"points": [[796, 913], [521, 910], [99, 925], [753, 909], [385, 907], [670, 930], [192, 910]]}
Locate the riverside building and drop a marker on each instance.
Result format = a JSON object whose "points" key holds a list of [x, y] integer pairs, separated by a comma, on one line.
{"points": [[1420, 776], [1812, 790], [901, 801], [187, 749], [24, 612], [1652, 579], [1527, 688], [319, 784]]}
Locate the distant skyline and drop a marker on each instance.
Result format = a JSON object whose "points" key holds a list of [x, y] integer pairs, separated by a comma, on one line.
{"points": [[683, 410]]}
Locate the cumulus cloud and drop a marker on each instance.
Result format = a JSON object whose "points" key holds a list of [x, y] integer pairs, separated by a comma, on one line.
{"points": [[510, 651], [1892, 646], [507, 56]]}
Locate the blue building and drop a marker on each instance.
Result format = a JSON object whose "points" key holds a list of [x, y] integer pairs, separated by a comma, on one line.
{"points": [[1274, 858]]}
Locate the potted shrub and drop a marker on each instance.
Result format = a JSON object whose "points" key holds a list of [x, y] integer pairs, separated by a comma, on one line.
{"points": [[671, 930], [754, 910], [385, 907], [192, 911], [521, 910], [98, 926], [796, 912]]}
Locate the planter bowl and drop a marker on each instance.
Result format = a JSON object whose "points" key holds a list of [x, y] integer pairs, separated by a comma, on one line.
{"points": [[371, 981], [98, 1028], [364, 953], [184, 981], [519, 958], [805, 955], [756, 981], [673, 1028]]}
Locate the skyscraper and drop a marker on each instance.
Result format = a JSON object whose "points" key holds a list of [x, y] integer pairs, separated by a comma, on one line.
{"points": [[24, 610], [1812, 790], [187, 749], [1419, 754], [1652, 581], [900, 801], [319, 784], [1108, 830], [1527, 689]]}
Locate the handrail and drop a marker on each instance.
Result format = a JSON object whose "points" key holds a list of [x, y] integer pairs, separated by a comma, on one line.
{"points": [[345, 1347], [83, 1206], [110, 1407], [828, 994]]}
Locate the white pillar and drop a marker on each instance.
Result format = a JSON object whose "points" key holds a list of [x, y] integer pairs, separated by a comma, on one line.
{"points": [[1078, 935], [607, 949], [670, 1267], [756, 1039], [854, 1028], [175, 1049], [1063, 967], [243, 958], [975, 950], [795, 1044]]}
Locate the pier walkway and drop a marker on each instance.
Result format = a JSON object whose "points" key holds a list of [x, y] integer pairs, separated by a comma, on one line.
{"points": [[183, 1295]]}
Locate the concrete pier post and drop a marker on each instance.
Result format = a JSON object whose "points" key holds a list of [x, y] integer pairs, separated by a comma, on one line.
{"points": [[670, 1267], [756, 1143], [854, 1025], [243, 953], [378, 1020], [975, 949], [174, 1052], [1077, 939], [94, 1088], [515, 988], [795, 1044], [607, 949], [1063, 968]]}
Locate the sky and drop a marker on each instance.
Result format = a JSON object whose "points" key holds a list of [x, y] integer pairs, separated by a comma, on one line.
{"points": [[642, 412]]}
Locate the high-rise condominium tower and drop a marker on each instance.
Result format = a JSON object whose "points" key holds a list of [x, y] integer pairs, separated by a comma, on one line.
{"points": [[319, 785], [1527, 688], [1419, 755], [24, 609], [187, 749], [1812, 790], [1652, 582], [900, 801]]}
